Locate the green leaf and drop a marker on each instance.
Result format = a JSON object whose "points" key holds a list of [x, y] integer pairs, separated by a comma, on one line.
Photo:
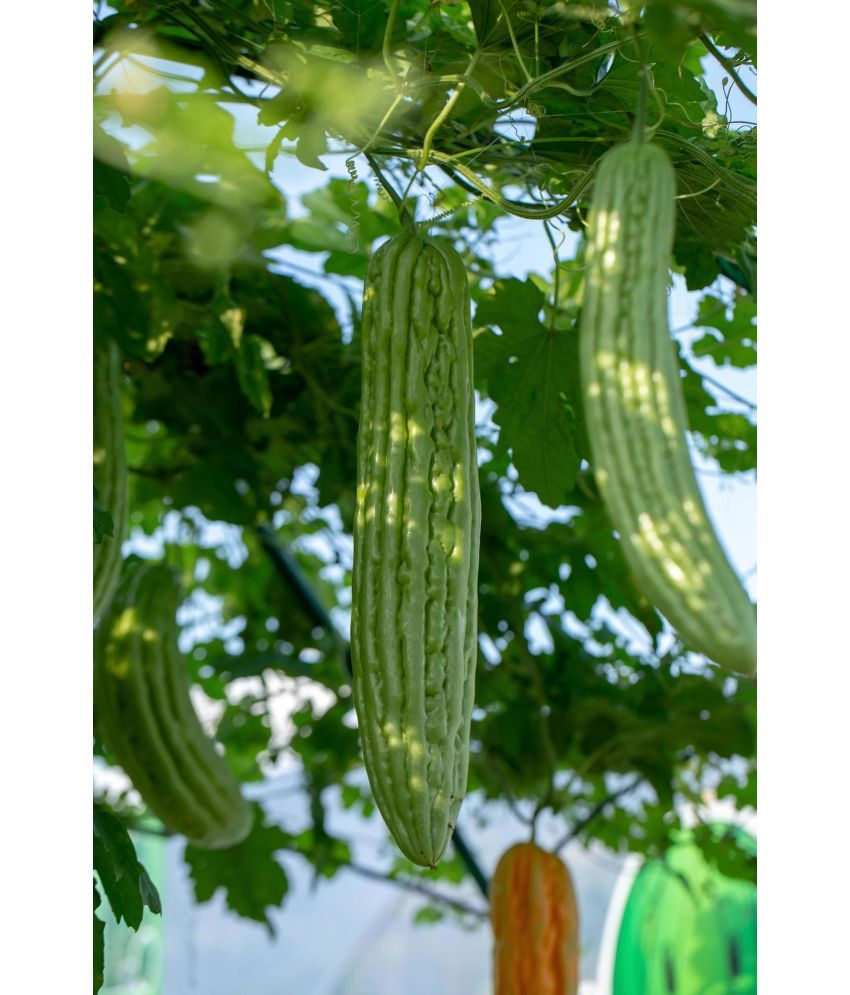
{"points": [[252, 879], [730, 340], [361, 23], [215, 337], [674, 85], [111, 187], [668, 27], [333, 211], [485, 14], [531, 374], [99, 927], [123, 879], [273, 149], [327, 853], [347, 264], [252, 373], [244, 736], [699, 263], [736, 19], [428, 915], [311, 145], [281, 10]]}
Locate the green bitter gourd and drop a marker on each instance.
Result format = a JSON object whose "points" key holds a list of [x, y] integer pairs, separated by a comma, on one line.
{"points": [[416, 536], [110, 472], [145, 715], [636, 416]]}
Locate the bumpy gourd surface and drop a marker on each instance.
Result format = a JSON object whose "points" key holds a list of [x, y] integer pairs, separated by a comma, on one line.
{"points": [[416, 536], [534, 916], [110, 471], [636, 416], [146, 718]]}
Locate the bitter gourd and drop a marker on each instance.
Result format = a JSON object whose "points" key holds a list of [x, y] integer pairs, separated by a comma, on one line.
{"points": [[416, 536], [635, 411], [534, 915], [145, 715], [110, 471]]}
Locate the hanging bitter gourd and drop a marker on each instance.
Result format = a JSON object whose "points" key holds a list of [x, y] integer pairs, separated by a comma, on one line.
{"points": [[110, 471], [534, 915], [636, 416], [145, 715], [416, 535]]}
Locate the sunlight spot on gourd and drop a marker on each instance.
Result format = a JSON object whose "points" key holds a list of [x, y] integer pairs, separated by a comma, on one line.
{"points": [[605, 360], [651, 531], [441, 482], [118, 666], [99, 455], [459, 483], [446, 538], [149, 635], [392, 509], [414, 743], [704, 568], [392, 736], [642, 379], [397, 431], [625, 373], [457, 553], [412, 525], [687, 576], [414, 429], [125, 623], [675, 573]]}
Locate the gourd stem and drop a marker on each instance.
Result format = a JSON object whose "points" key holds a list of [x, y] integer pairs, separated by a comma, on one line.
{"points": [[514, 43], [532, 211], [639, 134], [388, 37], [444, 113], [403, 214], [377, 132], [729, 67]]}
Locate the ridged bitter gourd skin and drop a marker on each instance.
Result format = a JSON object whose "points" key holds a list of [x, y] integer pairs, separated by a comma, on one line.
{"points": [[415, 599], [636, 416], [110, 471], [534, 915], [145, 715]]}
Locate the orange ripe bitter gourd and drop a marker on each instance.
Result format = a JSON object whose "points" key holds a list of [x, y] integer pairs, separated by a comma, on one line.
{"points": [[534, 916]]}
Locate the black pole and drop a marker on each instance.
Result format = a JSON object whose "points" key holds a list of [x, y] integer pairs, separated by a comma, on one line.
{"points": [[287, 566]]}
